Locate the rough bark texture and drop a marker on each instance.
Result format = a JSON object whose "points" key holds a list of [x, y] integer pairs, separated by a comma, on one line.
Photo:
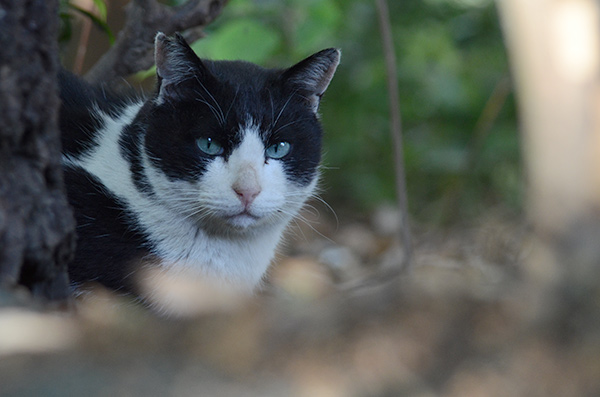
{"points": [[36, 224]]}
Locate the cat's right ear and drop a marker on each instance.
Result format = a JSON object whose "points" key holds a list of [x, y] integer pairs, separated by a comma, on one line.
{"points": [[313, 75], [176, 63]]}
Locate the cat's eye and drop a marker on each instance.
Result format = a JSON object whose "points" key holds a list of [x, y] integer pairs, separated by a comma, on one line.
{"points": [[209, 146], [278, 150]]}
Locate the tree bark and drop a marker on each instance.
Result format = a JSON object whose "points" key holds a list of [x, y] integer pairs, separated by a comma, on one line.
{"points": [[36, 223]]}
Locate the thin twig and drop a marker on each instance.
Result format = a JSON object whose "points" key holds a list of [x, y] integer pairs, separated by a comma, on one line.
{"points": [[82, 45], [396, 129]]}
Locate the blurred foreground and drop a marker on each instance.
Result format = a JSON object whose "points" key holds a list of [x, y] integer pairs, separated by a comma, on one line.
{"points": [[465, 322]]}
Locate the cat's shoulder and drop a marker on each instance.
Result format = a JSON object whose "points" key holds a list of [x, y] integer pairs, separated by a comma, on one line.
{"points": [[77, 93], [86, 109]]}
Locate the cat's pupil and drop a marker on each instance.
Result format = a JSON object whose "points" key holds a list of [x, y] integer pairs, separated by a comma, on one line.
{"points": [[210, 146], [278, 150]]}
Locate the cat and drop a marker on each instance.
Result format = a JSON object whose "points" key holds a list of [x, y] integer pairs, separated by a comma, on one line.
{"points": [[204, 176]]}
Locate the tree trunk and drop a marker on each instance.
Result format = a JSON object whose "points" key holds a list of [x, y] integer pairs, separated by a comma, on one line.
{"points": [[36, 223], [554, 46]]}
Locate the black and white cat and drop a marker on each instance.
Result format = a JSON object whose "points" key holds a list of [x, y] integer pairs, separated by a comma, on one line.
{"points": [[204, 176]]}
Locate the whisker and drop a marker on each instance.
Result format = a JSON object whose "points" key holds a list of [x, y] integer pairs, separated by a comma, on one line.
{"points": [[288, 124], [329, 207], [311, 227], [222, 117], [272, 105], [231, 104], [283, 108], [211, 107]]}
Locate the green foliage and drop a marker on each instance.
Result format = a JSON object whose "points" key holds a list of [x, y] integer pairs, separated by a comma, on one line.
{"points": [[238, 40], [66, 14]]}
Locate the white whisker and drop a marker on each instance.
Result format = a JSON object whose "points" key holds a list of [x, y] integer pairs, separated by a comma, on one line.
{"points": [[283, 108], [221, 117]]}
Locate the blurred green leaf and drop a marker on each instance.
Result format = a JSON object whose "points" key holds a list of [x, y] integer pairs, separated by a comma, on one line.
{"points": [[242, 39], [66, 27], [101, 7], [66, 7], [317, 26], [100, 23]]}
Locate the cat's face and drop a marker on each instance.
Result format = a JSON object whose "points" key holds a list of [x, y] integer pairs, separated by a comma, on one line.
{"points": [[231, 145]]}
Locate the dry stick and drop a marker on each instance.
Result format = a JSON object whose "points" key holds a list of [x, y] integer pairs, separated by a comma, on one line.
{"points": [[82, 45], [396, 129]]}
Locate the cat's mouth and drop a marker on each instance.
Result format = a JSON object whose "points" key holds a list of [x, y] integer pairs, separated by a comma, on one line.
{"points": [[242, 220]]}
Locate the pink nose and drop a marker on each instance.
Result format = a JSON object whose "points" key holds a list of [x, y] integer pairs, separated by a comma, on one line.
{"points": [[247, 194]]}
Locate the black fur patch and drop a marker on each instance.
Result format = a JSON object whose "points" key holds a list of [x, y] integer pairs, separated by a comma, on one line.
{"points": [[78, 119], [131, 149], [108, 239]]}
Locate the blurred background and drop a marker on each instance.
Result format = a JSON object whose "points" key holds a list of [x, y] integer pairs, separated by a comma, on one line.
{"points": [[483, 311], [461, 144]]}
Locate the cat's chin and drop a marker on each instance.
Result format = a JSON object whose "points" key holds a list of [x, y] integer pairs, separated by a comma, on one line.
{"points": [[243, 221], [233, 224]]}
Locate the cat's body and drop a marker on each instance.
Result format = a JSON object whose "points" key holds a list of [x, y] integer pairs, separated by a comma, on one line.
{"points": [[203, 176]]}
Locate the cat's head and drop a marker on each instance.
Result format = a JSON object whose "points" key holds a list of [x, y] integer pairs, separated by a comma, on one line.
{"points": [[230, 144]]}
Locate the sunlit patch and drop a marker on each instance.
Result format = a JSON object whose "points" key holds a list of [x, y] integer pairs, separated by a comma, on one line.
{"points": [[185, 293], [23, 331], [576, 45]]}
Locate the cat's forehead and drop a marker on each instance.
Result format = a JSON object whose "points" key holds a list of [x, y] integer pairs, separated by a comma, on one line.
{"points": [[242, 75], [251, 95]]}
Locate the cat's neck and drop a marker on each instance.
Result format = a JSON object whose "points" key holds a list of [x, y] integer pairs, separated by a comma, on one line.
{"points": [[240, 259]]}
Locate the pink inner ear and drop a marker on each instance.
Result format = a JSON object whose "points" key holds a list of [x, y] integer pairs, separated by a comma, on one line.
{"points": [[159, 52], [314, 74], [176, 62], [326, 78], [174, 59]]}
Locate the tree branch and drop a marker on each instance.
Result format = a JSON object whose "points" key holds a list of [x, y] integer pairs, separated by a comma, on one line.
{"points": [[396, 128], [133, 49]]}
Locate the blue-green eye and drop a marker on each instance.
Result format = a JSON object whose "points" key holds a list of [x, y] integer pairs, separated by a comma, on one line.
{"points": [[209, 146], [278, 150]]}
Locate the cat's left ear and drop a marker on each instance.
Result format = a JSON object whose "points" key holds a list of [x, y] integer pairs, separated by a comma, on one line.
{"points": [[313, 75], [176, 62]]}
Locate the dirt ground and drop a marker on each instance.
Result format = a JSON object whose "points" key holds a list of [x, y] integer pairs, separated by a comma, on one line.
{"points": [[335, 318]]}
